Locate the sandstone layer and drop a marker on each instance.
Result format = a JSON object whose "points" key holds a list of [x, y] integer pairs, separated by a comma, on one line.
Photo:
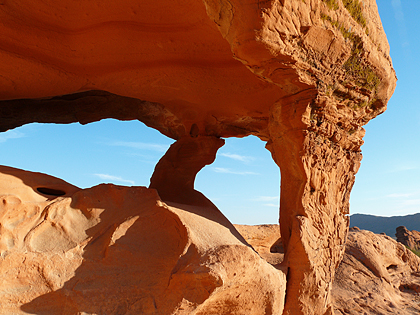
{"points": [[121, 250], [305, 76]]}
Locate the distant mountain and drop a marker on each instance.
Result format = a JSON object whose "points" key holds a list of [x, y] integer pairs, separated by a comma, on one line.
{"points": [[386, 225]]}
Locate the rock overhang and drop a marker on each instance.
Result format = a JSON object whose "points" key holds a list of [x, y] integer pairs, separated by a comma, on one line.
{"points": [[163, 53], [305, 76], [218, 65]]}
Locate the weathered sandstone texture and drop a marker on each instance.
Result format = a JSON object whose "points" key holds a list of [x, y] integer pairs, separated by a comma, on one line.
{"points": [[376, 276], [265, 239], [121, 250], [304, 76], [408, 238], [174, 175]]}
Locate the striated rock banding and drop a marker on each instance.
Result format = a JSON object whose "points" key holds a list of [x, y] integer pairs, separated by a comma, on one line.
{"points": [[305, 76]]}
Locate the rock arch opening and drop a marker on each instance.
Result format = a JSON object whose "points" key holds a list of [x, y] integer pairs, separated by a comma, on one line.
{"points": [[243, 181], [304, 76], [110, 151]]}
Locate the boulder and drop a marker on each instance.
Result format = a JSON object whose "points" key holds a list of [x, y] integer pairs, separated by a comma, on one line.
{"points": [[121, 250], [408, 238], [377, 276]]}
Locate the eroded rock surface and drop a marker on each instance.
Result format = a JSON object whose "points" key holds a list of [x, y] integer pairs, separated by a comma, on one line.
{"points": [[305, 76], [376, 276], [265, 239], [175, 173], [121, 250], [408, 238], [181, 70]]}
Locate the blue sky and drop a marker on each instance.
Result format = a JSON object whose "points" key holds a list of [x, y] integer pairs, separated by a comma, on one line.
{"points": [[388, 182], [244, 181]]}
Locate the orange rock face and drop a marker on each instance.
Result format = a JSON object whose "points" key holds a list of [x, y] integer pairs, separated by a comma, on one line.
{"points": [[305, 76], [265, 239], [377, 276], [175, 173], [408, 238], [121, 250]]}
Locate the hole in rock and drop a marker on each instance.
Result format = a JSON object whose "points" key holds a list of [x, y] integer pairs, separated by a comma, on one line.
{"points": [[109, 151], [409, 288], [392, 267], [243, 182], [51, 191]]}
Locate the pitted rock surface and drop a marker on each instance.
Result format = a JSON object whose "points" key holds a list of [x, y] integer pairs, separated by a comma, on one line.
{"points": [[377, 276], [190, 62]]}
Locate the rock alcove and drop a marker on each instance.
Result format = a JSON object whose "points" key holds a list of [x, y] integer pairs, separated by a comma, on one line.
{"points": [[303, 76]]}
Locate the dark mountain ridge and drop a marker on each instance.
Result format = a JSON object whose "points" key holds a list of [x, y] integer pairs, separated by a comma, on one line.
{"points": [[387, 225]]}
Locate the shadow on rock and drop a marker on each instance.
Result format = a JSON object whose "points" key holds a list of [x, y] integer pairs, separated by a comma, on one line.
{"points": [[128, 255]]}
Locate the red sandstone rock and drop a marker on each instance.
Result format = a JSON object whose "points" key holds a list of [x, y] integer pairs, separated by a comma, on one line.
{"points": [[377, 276], [174, 175], [408, 238], [120, 250], [305, 76], [183, 64], [265, 239]]}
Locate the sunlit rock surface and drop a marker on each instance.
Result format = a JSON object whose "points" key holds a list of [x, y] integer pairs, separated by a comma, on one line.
{"points": [[408, 238], [121, 250], [304, 76], [265, 239], [376, 276]]}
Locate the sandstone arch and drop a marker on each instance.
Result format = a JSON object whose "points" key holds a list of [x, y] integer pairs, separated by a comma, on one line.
{"points": [[305, 76]]}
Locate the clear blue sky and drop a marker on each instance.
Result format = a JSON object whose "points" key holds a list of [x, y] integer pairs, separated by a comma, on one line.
{"points": [[388, 182], [244, 181]]}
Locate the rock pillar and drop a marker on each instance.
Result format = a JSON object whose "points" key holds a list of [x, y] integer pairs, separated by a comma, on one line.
{"points": [[174, 175], [318, 161]]}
